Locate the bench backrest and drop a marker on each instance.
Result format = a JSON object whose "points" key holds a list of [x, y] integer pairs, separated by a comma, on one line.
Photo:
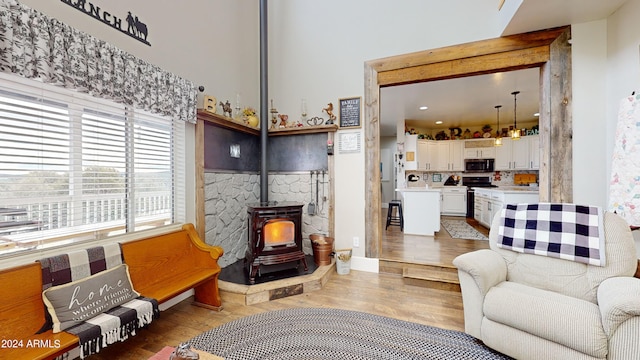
{"points": [[21, 307], [154, 260]]}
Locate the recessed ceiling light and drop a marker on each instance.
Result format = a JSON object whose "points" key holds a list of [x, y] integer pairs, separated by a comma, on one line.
{"points": [[424, 107], [438, 122], [536, 114]]}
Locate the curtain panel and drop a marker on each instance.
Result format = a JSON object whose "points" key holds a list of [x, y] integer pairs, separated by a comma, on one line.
{"points": [[36, 46]]}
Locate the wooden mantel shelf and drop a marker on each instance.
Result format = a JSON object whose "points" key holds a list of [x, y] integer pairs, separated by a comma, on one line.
{"points": [[303, 130], [229, 123], [226, 122]]}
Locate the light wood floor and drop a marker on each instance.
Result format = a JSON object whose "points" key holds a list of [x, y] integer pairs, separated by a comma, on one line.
{"points": [[381, 294], [440, 249]]}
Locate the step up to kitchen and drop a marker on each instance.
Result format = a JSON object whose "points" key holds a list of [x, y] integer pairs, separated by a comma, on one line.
{"points": [[434, 278]]}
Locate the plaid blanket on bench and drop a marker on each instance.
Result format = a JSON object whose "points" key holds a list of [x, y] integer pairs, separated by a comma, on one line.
{"points": [[114, 325], [565, 231]]}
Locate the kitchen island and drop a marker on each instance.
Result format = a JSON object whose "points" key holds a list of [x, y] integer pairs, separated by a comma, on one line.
{"points": [[421, 209], [489, 201]]}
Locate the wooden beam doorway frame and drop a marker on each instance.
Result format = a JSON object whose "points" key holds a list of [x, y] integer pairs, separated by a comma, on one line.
{"points": [[548, 50]]}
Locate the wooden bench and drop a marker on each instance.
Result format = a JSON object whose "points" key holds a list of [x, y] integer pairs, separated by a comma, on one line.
{"points": [[161, 267]]}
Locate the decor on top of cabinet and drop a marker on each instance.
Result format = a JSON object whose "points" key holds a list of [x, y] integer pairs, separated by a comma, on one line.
{"points": [[486, 131], [456, 133], [466, 134], [441, 135]]}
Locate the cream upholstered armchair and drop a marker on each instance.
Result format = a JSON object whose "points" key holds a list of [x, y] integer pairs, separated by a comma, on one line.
{"points": [[538, 307]]}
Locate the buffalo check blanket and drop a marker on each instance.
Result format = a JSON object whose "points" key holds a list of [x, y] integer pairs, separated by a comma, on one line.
{"points": [[111, 326], [114, 325], [565, 231]]}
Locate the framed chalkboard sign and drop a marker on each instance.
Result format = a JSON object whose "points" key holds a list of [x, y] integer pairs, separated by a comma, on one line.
{"points": [[350, 112]]}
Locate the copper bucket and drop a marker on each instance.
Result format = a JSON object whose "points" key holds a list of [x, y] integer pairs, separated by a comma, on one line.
{"points": [[322, 249]]}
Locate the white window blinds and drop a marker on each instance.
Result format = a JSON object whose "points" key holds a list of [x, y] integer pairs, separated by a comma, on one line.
{"points": [[74, 168]]}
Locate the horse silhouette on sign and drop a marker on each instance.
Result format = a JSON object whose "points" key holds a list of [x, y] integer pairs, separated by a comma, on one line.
{"points": [[136, 27]]}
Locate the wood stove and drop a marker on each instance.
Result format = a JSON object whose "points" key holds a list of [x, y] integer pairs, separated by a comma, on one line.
{"points": [[274, 235]]}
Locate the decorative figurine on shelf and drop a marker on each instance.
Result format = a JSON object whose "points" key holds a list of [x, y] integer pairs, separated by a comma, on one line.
{"points": [[184, 352], [283, 120], [466, 134], [274, 114], [315, 121], [303, 110], [250, 118], [329, 111], [226, 108]]}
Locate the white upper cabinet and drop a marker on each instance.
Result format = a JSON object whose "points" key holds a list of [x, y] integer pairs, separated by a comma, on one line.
{"points": [[534, 152], [410, 152], [479, 149], [449, 156], [517, 154]]}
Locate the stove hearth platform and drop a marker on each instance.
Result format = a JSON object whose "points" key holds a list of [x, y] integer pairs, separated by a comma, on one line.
{"points": [[264, 291]]}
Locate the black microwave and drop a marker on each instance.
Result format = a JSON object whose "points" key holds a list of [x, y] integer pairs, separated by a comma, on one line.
{"points": [[478, 165]]}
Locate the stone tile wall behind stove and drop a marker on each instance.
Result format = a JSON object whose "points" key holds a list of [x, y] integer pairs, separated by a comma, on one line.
{"points": [[227, 195]]}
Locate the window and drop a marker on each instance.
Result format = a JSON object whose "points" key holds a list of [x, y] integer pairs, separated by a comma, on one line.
{"points": [[75, 168]]}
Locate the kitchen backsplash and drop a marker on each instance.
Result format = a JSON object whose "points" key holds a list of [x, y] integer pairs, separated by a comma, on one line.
{"points": [[498, 178]]}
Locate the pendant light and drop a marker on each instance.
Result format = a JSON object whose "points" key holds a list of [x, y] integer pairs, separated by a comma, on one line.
{"points": [[515, 134], [498, 141]]}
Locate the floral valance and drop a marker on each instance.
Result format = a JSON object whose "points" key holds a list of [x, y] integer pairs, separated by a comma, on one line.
{"points": [[36, 46]]}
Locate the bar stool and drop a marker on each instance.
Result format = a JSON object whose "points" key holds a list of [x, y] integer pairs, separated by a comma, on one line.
{"points": [[397, 220]]}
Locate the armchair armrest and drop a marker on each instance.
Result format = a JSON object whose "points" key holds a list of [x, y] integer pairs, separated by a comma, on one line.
{"points": [[618, 299], [486, 267]]}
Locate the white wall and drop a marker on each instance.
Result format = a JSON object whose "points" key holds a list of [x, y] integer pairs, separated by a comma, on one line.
{"points": [[318, 50], [590, 170]]}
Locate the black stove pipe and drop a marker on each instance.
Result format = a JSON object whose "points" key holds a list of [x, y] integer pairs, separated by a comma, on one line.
{"points": [[264, 104]]}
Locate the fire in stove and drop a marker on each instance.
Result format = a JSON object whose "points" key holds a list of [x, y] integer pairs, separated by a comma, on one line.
{"points": [[274, 235], [279, 232]]}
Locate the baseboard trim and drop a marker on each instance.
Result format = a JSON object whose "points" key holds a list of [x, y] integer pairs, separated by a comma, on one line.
{"points": [[365, 264]]}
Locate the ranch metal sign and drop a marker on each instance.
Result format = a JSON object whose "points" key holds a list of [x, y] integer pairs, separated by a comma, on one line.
{"points": [[134, 27]]}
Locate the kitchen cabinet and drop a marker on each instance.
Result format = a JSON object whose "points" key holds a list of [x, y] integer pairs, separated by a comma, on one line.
{"points": [[449, 155], [410, 152], [489, 202], [534, 152], [513, 154], [480, 153], [479, 149], [454, 201], [420, 154], [421, 210], [481, 206], [428, 155]]}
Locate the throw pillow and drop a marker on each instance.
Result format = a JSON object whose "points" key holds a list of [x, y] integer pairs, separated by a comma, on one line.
{"points": [[81, 300]]}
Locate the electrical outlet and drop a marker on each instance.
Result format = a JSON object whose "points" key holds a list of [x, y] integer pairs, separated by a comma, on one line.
{"points": [[356, 241]]}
